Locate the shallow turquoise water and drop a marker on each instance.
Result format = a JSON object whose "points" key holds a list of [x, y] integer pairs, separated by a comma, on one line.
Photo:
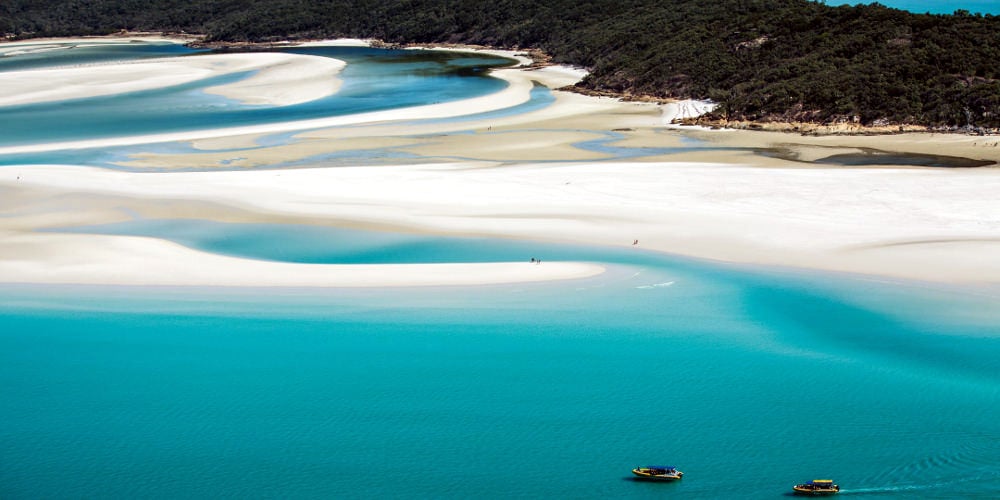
{"points": [[758, 378], [763, 379]]}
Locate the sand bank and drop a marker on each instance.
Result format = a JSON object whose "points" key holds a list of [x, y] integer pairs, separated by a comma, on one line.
{"points": [[36, 45], [277, 79], [118, 260], [808, 147], [922, 224], [550, 133]]}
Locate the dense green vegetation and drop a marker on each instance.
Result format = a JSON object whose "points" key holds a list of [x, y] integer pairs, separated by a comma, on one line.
{"points": [[760, 59]]}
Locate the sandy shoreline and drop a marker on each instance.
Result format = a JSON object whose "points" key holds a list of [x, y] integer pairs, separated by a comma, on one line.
{"points": [[720, 201]]}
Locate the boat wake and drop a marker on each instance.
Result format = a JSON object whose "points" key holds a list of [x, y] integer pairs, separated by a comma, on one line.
{"points": [[886, 489], [915, 487]]}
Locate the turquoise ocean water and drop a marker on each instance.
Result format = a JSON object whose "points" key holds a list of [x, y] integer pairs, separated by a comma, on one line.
{"points": [[748, 380], [936, 6]]}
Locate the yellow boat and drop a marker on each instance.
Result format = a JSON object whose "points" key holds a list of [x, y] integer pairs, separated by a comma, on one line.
{"points": [[657, 473], [817, 487]]}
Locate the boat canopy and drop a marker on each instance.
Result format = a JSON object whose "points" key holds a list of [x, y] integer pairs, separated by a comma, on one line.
{"points": [[821, 481], [664, 467]]}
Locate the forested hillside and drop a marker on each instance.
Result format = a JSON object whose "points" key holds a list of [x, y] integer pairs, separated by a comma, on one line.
{"points": [[760, 59]]}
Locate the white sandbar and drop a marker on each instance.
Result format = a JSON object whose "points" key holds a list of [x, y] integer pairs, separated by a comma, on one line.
{"points": [[122, 260], [278, 79], [891, 222]]}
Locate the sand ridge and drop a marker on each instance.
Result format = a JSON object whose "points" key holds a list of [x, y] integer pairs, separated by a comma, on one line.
{"points": [[278, 79]]}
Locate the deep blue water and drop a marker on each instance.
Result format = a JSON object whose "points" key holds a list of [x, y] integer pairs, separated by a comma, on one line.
{"points": [[749, 380]]}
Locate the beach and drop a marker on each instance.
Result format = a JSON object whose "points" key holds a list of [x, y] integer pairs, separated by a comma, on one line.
{"points": [[520, 176]]}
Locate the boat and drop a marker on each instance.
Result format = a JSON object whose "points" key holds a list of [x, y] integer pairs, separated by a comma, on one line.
{"points": [[817, 487], [657, 473]]}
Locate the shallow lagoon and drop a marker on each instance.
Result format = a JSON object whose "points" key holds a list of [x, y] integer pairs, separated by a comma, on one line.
{"points": [[757, 377]]}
